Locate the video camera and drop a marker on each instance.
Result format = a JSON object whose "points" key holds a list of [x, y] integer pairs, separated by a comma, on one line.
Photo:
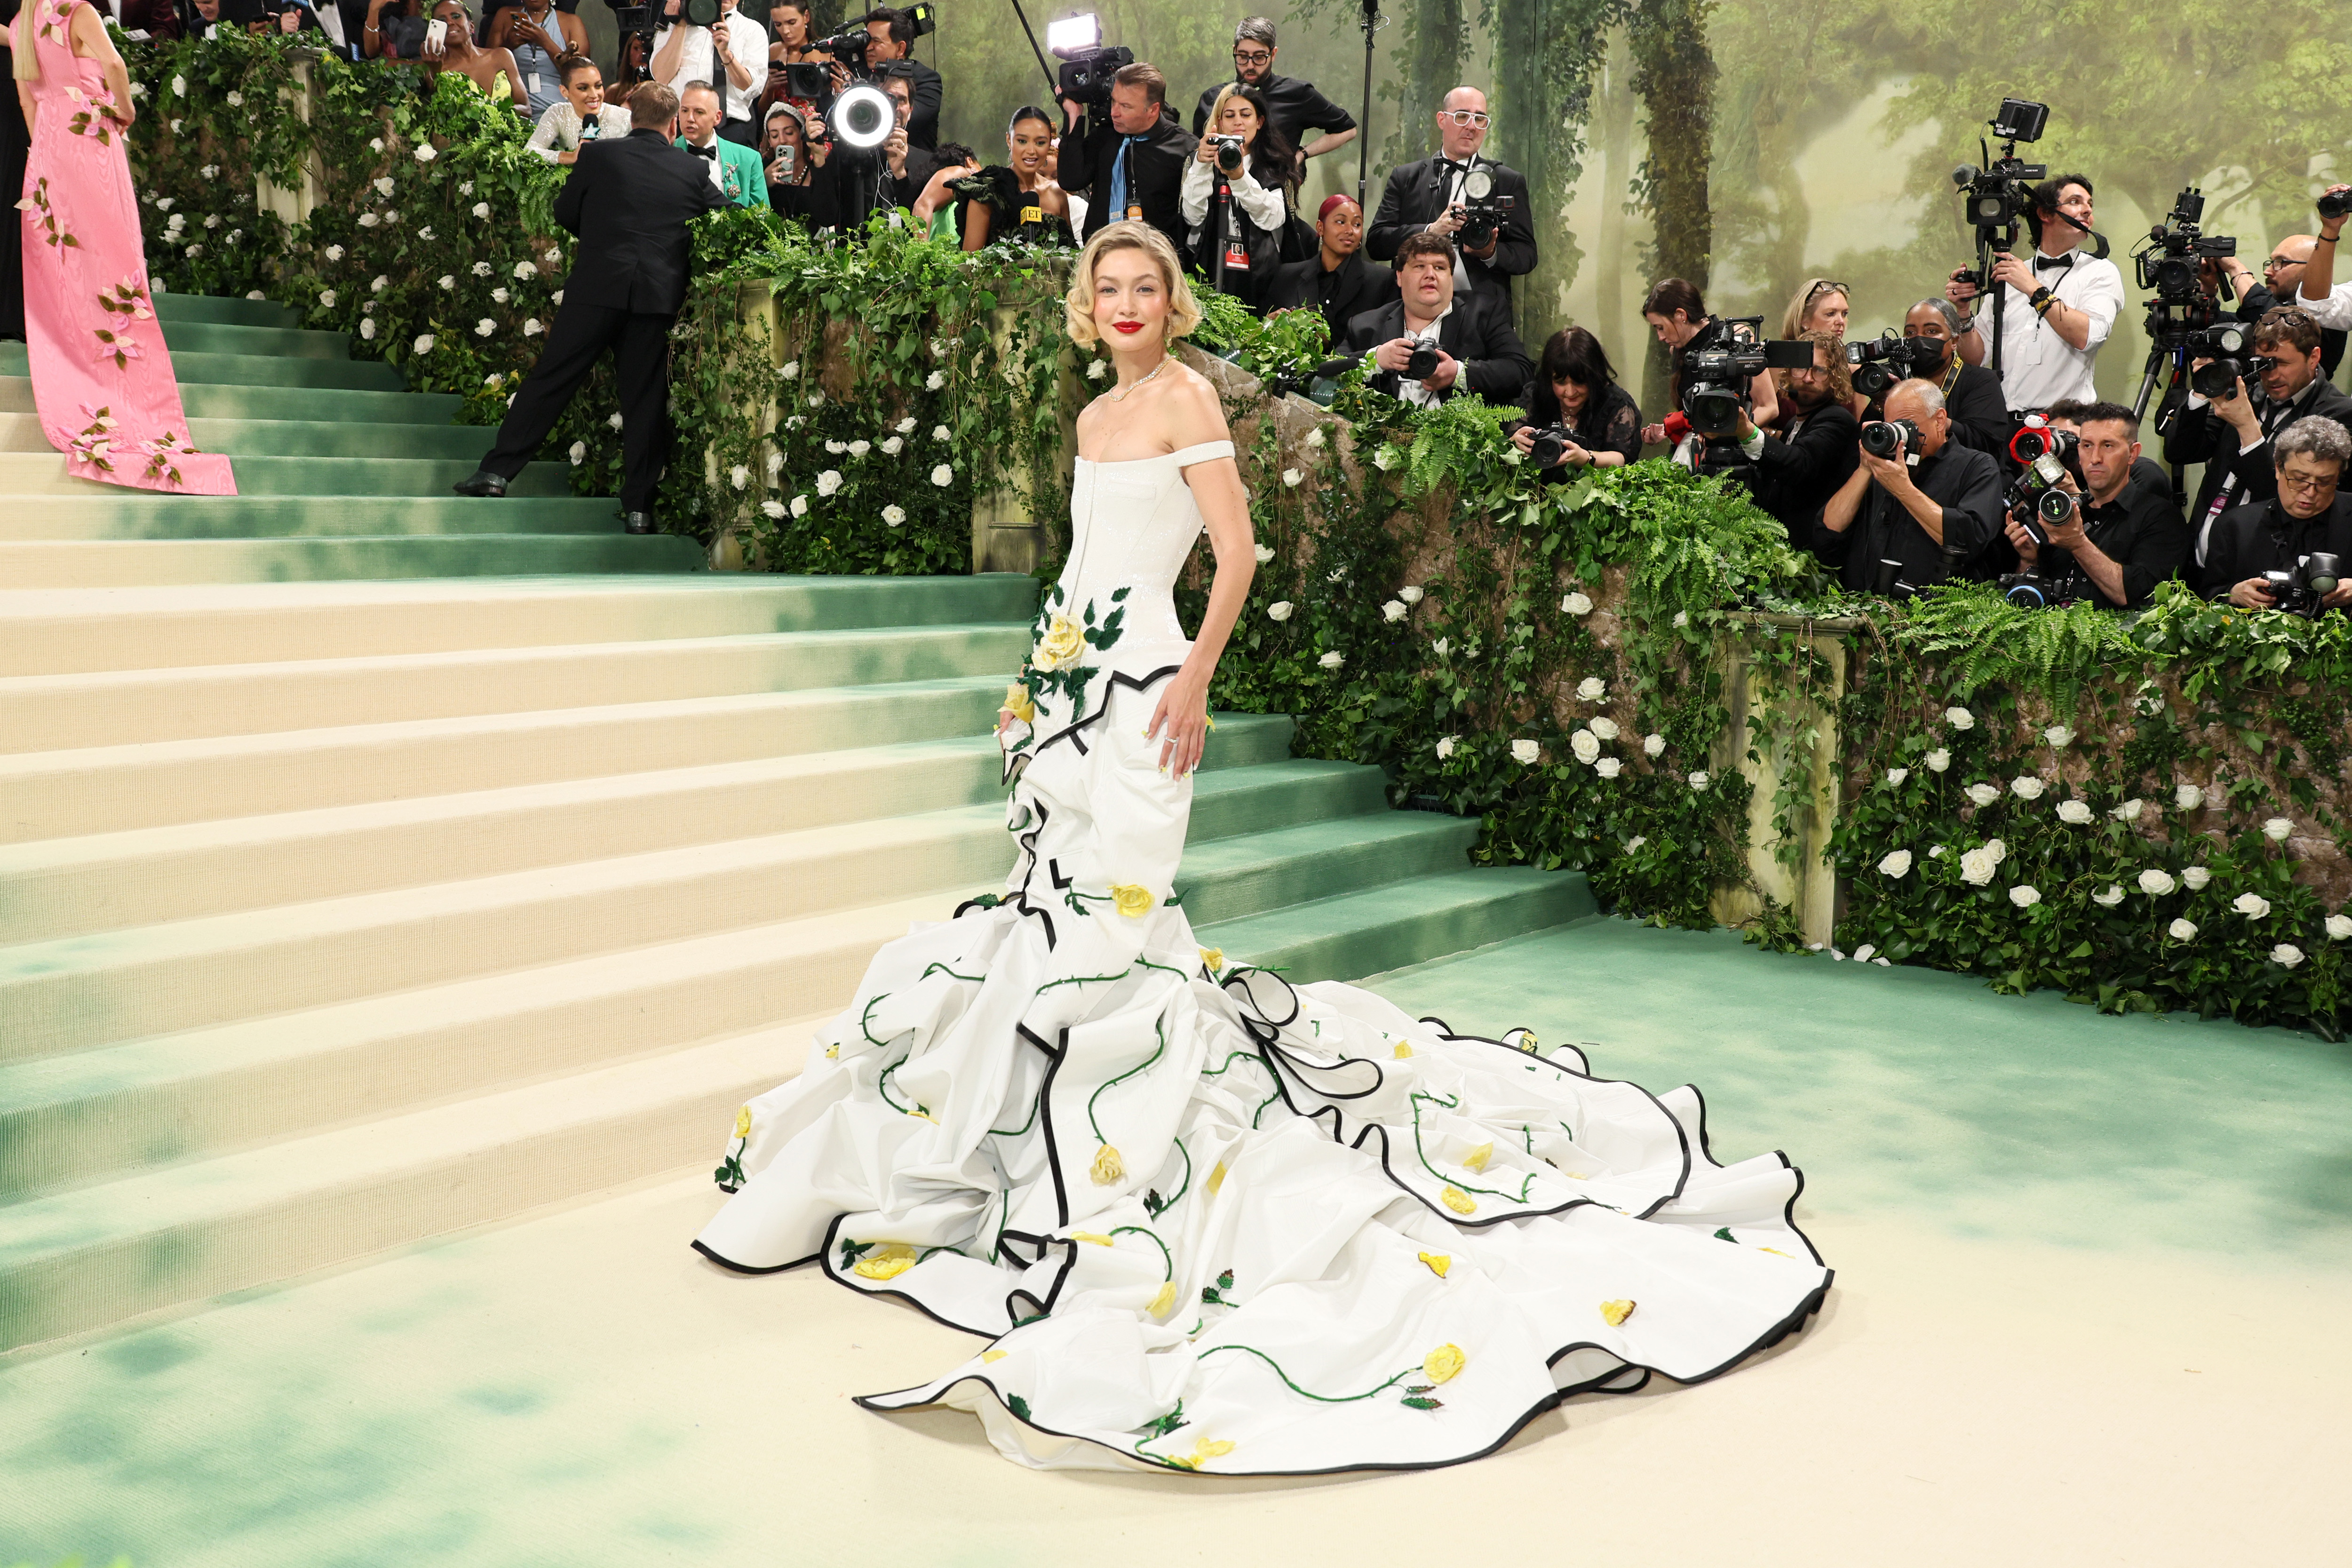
{"points": [[2299, 590], [1715, 378], [1999, 194], [2184, 318], [1483, 212], [1087, 63], [1878, 364], [848, 46]]}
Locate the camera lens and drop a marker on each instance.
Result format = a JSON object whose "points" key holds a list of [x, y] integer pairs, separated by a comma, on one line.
{"points": [[2027, 595], [2055, 506], [1881, 439], [2334, 204]]}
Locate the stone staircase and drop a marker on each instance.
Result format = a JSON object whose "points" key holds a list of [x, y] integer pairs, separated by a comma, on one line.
{"points": [[380, 863]]}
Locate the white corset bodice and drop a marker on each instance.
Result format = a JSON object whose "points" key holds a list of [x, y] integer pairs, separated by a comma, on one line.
{"points": [[1132, 526]]}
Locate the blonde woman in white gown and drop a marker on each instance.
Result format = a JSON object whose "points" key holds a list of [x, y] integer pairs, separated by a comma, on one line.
{"points": [[1204, 1221]]}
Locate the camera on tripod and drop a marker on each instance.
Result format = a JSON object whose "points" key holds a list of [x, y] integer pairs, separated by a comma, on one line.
{"points": [[1483, 212], [1998, 194], [1879, 362], [1715, 378], [2298, 590], [2173, 261], [1087, 63], [2184, 318]]}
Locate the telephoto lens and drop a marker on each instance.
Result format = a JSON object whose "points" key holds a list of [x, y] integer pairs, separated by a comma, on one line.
{"points": [[1884, 438], [2217, 380]]}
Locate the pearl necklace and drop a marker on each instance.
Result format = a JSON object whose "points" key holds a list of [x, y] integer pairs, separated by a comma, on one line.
{"points": [[1116, 396]]}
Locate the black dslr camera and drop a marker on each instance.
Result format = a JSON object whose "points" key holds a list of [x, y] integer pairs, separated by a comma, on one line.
{"points": [[1087, 63], [1552, 443], [1884, 438], [1419, 365], [1877, 363], [1231, 154], [2184, 318], [1483, 212], [2047, 458], [2299, 590], [1718, 366]]}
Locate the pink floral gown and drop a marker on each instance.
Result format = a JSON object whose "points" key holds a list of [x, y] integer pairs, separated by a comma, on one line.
{"points": [[101, 376]]}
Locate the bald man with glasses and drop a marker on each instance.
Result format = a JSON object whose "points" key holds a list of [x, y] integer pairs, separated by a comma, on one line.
{"points": [[1430, 196], [2280, 282]]}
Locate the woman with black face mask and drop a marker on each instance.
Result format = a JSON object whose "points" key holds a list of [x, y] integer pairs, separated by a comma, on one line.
{"points": [[1971, 392]]}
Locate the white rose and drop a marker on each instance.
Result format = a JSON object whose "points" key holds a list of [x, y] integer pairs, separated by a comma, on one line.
{"points": [[939, 432], [1636, 841], [1445, 750], [2195, 877], [2188, 797], [1278, 611], [2181, 931], [1096, 370], [196, 250], [1894, 777], [859, 449], [789, 371], [905, 427], [1292, 479], [799, 506], [1586, 745], [1936, 853], [424, 153], [943, 476], [1959, 718], [212, 220], [892, 445], [1606, 728], [425, 343], [1939, 760], [1385, 458], [531, 327], [1525, 752], [1698, 780], [836, 447], [466, 188], [1264, 554], [1441, 647], [485, 327], [327, 298], [1608, 767], [446, 281], [383, 185], [1333, 659], [1411, 595], [524, 271], [375, 143], [2025, 786], [367, 331], [177, 125], [379, 284], [816, 400], [1977, 867], [1997, 849], [334, 253], [2109, 896], [1577, 604], [481, 209], [828, 481], [2129, 810], [1682, 619], [2286, 955], [2277, 828], [2058, 735], [1651, 745], [2074, 812], [1393, 611], [1315, 437], [1591, 688], [2339, 927], [772, 509], [1895, 863], [2025, 895], [210, 171], [2155, 882], [179, 87], [738, 476], [2253, 905], [614, 420], [500, 295], [235, 99], [893, 515], [579, 453], [934, 380], [1981, 793]]}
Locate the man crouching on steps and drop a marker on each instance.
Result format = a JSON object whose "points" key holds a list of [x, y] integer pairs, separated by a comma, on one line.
{"points": [[629, 200]]}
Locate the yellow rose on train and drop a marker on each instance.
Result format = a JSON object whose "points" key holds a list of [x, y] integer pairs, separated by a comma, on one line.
{"points": [[1018, 703], [1061, 646], [1130, 899]]}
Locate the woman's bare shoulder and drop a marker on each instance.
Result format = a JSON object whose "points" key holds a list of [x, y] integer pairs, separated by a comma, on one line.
{"points": [[1192, 409]]}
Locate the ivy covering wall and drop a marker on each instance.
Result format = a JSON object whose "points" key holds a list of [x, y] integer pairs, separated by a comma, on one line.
{"points": [[2144, 814]]}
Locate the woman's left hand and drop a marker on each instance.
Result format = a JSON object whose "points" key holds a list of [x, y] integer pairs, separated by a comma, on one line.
{"points": [[1181, 723]]}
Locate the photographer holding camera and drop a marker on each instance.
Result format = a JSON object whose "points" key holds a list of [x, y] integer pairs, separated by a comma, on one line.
{"points": [[1578, 416], [1235, 196], [2282, 554], [2329, 302], [2123, 536], [1676, 312], [729, 54], [891, 34], [2230, 436], [1808, 460], [1293, 107], [2057, 307], [1434, 341], [1479, 207], [2281, 284], [1131, 161], [1914, 497]]}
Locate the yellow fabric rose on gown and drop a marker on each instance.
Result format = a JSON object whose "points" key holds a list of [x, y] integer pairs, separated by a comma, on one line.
{"points": [[1165, 1302], [1202, 1452], [1095, 1237], [1213, 959], [1109, 1169], [1442, 1365], [1061, 647], [1131, 900], [1018, 703], [743, 1123], [887, 1263], [1477, 1159], [1458, 1201], [1216, 1178], [1616, 1312], [1439, 1262]]}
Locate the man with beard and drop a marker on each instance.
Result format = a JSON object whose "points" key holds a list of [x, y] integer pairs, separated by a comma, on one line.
{"points": [[2123, 538], [2280, 284], [2230, 436], [1293, 107], [1929, 500], [2307, 514], [1971, 392], [1337, 282], [1804, 462]]}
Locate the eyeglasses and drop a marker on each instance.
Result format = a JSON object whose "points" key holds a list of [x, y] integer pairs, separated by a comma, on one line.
{"points": [[2275, 263], [1253, 57], [1478, 117], [2308, 486]]}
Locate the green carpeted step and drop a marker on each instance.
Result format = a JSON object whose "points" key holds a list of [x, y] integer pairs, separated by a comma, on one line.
{"points": [[252, 370], [1227, 879], [1355, 934], [119, 562], [170, 307], [106, 513], [1302, 789], [213, 400], [275, 343], [242, 438]]}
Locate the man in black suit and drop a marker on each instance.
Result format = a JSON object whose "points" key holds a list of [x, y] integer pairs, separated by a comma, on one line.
{"points": [[1428, 197], [2280, 283], [1295, 106], [629, 200], [1476, 350], [1337, 282], [1131, 161], [2232, 436], [2306, 513]]}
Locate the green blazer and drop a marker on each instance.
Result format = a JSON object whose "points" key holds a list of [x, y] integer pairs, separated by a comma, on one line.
{"points": [[740, 174]]}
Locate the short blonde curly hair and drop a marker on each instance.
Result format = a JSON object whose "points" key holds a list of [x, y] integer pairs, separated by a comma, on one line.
{"points": [[1078, 305]]}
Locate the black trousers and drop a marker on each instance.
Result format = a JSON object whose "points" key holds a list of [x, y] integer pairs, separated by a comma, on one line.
{"points": [[581, 334]]}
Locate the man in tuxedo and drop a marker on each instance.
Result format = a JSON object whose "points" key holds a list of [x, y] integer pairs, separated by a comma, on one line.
{"points": [[893, 32], [1129, 163], [2232, 436], [734, 170], [1337, 282], [1476, 350], [629, 200], [1427, 198], [1294, 106], [2058, 305]]}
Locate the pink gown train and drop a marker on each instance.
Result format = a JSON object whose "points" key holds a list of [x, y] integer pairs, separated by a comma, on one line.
{"points": [[101, 376]]}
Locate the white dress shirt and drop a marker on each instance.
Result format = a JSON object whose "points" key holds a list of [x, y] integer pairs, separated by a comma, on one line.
{"points": [[2334, 311], [1260, 205], [2038, 367], [558, 130], [698, 62], [1412, 392]]}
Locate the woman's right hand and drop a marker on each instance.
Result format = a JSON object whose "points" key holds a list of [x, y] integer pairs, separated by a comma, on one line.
{"points": [[573, 157], [1524, 438], [1207, 153], [1653, 434]]}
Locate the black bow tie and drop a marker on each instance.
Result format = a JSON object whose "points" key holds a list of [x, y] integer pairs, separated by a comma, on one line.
{"points": [[710, 151], [2043, 263]]}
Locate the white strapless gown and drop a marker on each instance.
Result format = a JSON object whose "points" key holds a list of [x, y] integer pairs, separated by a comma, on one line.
{"points": [[1204, 1220]]}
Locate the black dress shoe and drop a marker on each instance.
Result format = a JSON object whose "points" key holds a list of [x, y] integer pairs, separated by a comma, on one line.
{"points": [[481, 482], [638, 521]]}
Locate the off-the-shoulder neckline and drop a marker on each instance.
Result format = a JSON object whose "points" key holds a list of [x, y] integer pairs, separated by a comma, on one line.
{"points": [[1163, 456]]}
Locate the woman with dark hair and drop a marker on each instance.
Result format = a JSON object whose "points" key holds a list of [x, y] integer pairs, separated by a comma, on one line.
{"points": [[1678, 315], [1247, 233], [1017, 199], [799, 184], [1575, 388]]}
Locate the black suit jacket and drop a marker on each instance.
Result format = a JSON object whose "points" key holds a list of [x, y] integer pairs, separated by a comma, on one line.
{"points": [[927, 92], [1415, 197], [1478, 333], [1339, 296], [1293, 105], [1157, 174], [630, 201], [2249, 541], [2235, 478], [2258, 300], [1795, 477]]}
